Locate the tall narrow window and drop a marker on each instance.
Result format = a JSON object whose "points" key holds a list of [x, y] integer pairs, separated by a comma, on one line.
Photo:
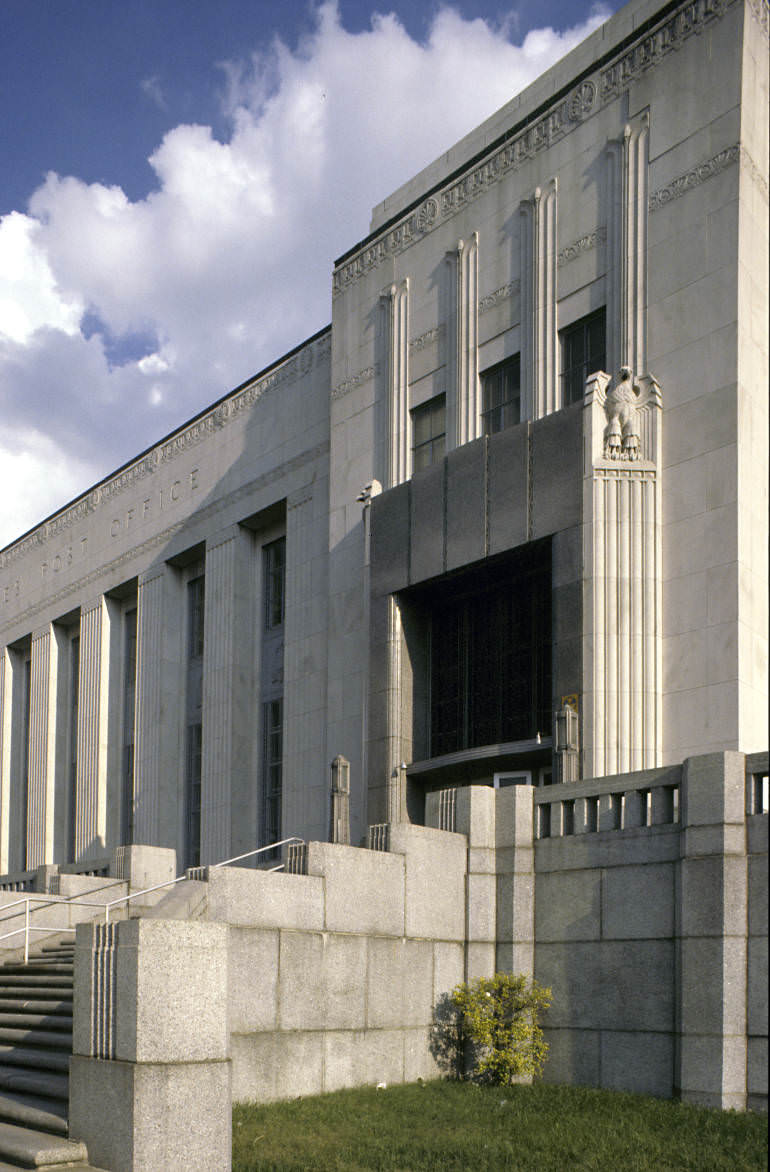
{"points": [[129, 708], [72, 744], [428, 433], [194, 718], [501, 395], [271, 689], [583, 351]]}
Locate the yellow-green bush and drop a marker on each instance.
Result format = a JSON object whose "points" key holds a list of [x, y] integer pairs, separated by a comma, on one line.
{"points": [[498, 1019]]}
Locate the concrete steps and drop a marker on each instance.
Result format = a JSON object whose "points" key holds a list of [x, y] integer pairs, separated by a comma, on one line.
{"points": [[35, 1049]]}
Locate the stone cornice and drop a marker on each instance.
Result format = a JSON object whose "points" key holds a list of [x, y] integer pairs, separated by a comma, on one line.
{"points": [[606, 83], [218, 416]]}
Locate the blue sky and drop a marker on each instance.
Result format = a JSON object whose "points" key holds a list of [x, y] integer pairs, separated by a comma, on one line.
{"points": [[177, 178]]}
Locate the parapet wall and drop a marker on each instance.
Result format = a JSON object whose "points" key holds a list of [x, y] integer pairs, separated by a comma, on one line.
{"points": [[640, 899]]}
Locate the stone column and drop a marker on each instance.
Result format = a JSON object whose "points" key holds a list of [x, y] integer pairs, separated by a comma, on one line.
{"points": [[6, 714], [712, 933], [396, 306], [627, 182], [396, 811], [464, 385], [339, 830], [227, 698], [623, 573], [515, 852], [539, 338], [148, 727], [42, 748], [93, 710]]}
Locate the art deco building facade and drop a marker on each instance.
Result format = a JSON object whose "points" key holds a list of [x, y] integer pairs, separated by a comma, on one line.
{"points": [[505, 517]]}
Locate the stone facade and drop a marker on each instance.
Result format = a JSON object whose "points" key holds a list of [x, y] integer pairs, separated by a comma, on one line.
{"points": [[545, 381]]}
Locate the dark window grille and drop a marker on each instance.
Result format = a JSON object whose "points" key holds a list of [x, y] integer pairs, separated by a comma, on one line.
{"points": [[272, 770], [275, 583], [583, 352], [428, 433], [501, 395]]}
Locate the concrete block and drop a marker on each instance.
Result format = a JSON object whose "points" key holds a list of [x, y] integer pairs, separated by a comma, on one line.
{"points": [[515, 899], [713, 789], [713, 1072], [756, 991], [466, 504], [144, 866], [568, 905], [507, 489], [419, 1061], [418, 983], [252, 979], [627, 985], [475, 815], [357, 1057], [713, 896], [756, 1068], [638, 902], [364, 889], [757, 894], [514, 816], [642, 1063], [170, 973], [448, 968], [515, 957], [155, 1114], [481, 908], [389, 551], [720, 839], [385, 983], [276, 1065], [713, 986], [482, 860], [265, 899], [573, 1057], [480, 960], [435, 880], [322, 981], [426, 546]]}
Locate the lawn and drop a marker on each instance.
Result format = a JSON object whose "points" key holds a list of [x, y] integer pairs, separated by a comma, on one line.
{"points": [[450, 1126]]}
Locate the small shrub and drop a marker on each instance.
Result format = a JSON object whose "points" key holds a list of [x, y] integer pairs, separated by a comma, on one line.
{"points": [[498, 1017]]}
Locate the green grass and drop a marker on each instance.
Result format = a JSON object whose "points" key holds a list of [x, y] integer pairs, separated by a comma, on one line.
{"points": [[449, 1126]]}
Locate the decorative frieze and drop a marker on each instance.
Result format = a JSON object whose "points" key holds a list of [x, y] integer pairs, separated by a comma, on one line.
{"points": [[693, 178], [499, 296], [351, 384], [429, 338], [603, 86], [585, 243]]}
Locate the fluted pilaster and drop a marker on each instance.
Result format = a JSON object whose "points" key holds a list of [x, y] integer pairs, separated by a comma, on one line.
{"points": [[396, 306], [627, 181], [468, 408], [93, 701], [42, 745], [539, 339], [147, 723], [6, 714]]}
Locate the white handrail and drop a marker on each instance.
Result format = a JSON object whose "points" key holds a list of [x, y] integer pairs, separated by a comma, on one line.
{"points": [[44, 900]]}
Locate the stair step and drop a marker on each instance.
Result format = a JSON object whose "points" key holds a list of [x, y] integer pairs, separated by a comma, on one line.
{"points": [[36, 1059], [30, 1005], [45, 1021], [59, 1041], [43, 969], [34, 1082], [43, 1114], [35, 985], [29, 1148]]}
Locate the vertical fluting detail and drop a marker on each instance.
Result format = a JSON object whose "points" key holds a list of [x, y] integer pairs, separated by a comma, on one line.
{"points": [[468, 411], [396, 305], [147, 725], [539, 340], [218, 699], [42, 737], [104, 959], [622, 556], [6, 703], [627, 246], [396, 780], [93, 700]]}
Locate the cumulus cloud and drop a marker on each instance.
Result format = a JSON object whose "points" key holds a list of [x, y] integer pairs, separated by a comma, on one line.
{"points": [[227, 263]]}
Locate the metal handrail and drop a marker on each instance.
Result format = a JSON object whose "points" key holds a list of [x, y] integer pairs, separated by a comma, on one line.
{"points": [[46, 900]]}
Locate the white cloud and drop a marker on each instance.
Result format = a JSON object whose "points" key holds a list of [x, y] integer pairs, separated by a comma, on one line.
{"points": [[227, 263]]}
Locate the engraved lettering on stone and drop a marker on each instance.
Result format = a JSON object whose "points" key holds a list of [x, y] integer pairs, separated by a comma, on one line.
{"points": [[693, 178]]}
